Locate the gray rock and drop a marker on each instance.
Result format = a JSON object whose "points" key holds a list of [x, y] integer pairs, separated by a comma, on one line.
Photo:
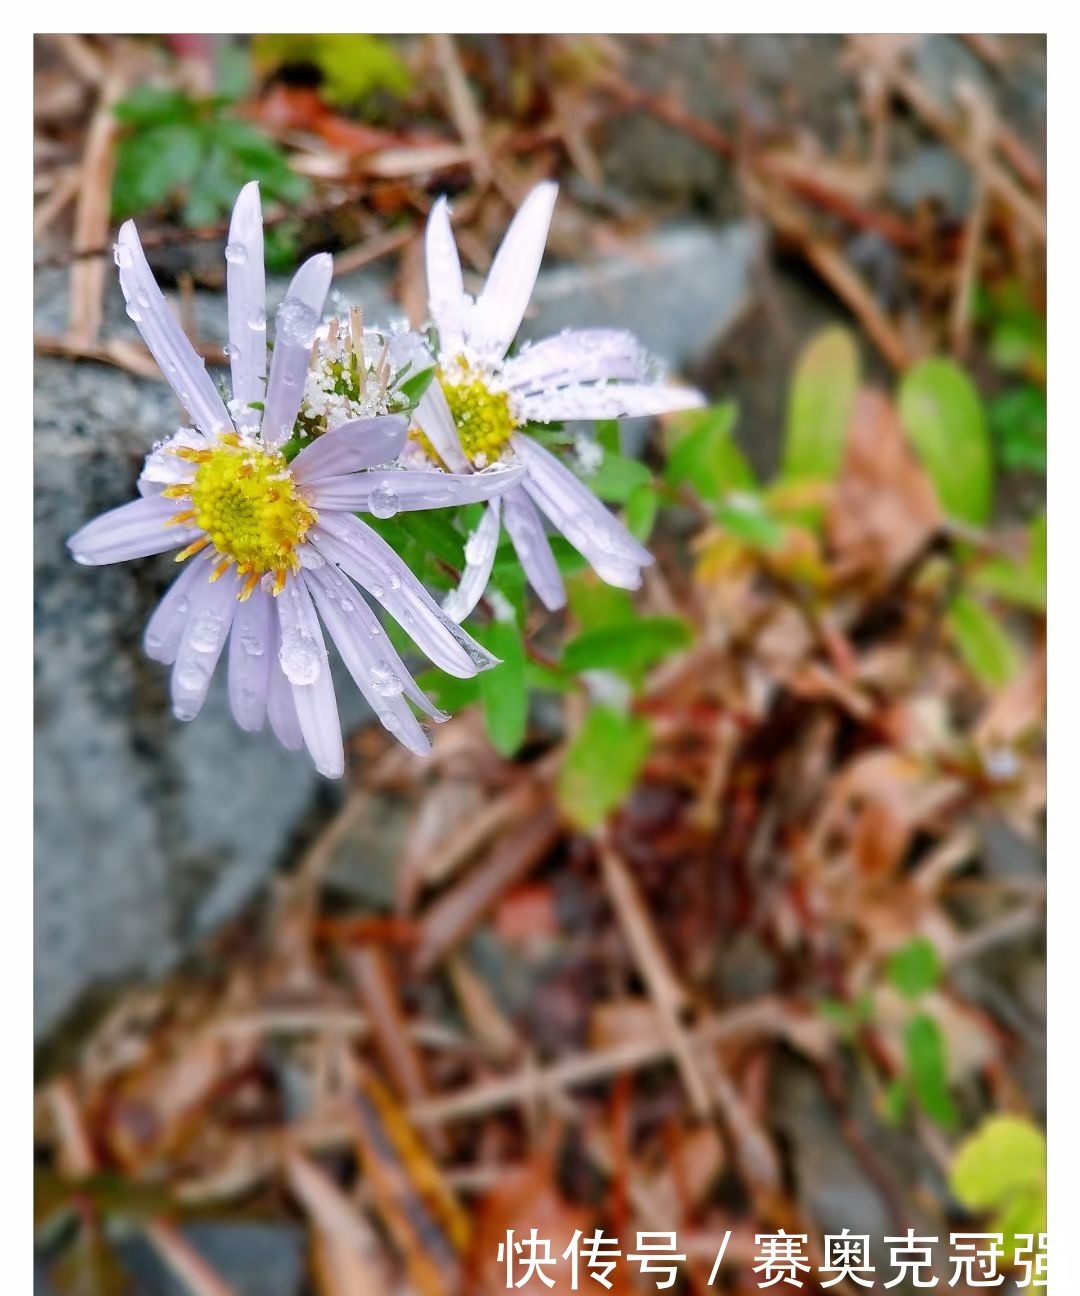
{"points": [[253, 1259], [150, 832]]}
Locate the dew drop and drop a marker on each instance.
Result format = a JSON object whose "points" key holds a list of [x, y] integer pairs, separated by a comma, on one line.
{"points": [[132, 311], [205, 633], [252, 645], [300, 657], [257, 320], [236, 254], [383, 501], [385, 680], [347, 605]]}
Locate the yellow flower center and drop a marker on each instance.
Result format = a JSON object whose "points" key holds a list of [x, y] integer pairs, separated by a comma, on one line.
{"points": [[243, 498], [483, 417]]}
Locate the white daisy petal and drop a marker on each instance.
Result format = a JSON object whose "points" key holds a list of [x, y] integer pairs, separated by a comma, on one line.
{"points": [[302, 656], [526, 531], [245, 278], [446, 294], [205, 631], [575, 511], [251, 647], [184, 369], [608, 400], [434, 419], [577, 356], [297, 319], [133, 530], [349, 447], [479, 559], [501, 306]]}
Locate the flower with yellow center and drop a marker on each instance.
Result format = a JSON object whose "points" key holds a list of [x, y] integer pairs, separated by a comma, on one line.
{"points": [[483, 415], [245, 501]]}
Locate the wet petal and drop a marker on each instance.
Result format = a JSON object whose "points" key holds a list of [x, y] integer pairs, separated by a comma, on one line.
{"points": [[500, 308], [575, 511], [163, 467], [380, 674], [479, 559], [578, 356], [280, 707], [297, 319], [184, 369], [245, 280], [251, 648], [608, 400], [302, 656], [161, 639], [360, 443], [526, 530], [406, 490], [434, 419], [446, 294], [203, 638], [131, 531], [370, 561]]}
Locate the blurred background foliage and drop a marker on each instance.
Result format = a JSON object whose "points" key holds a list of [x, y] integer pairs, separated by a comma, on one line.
{"points": [[773, 784]]}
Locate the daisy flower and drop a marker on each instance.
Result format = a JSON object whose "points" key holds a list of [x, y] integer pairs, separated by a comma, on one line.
{"points": [[270, 537], [479, 409]]}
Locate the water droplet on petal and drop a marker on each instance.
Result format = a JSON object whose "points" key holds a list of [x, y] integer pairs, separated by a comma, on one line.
{"points": [[133, 312], [300, 657], [383, 501], [257, 320], [252, 645], [205, 633], [236, 253], [385, 680]]}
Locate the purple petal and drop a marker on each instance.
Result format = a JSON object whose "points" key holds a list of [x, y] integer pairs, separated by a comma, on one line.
{"points": [[280, 707], [360, 443], [379, 672], [500, 308], [603, 540], [302, 656], [161, 640], [608, 400], [446, 294], [203, 638], [297, 319], [526, 531], [131, 531], [479, 558], [370, 561], [184, 370], [251, 648], [434, 419], [164, 468], [577, 356], [409, 489], [245, 280]]}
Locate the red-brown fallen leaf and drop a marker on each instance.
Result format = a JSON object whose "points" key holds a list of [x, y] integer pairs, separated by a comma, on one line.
{"points": [[884, 508], [527, 914], [526, 1200]]}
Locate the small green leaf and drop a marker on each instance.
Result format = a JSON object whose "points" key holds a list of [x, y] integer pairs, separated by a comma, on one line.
{"points": [[595, 604], [451, 693], [924, 1047], [1023, 582], [502, 689], [602, 765], [1018, 422], [944, 419], [629, 648], [615, 478], [819, 406], [414, 386], [914, 968], [642, 505], [745, 517], [704, 455], [982, 641], [1001, 1168]]}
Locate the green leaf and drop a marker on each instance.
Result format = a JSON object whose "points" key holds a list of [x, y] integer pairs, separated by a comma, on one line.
{"points": [[150, 106], [914, 968], [602, 765], [704, 455], [414, 386], [1018, 422], [982, 641], [745, 517], [924, 1047], [451, 693], [642, 505], [1023, 582], [353, 67], [628, 648], [153, 164], [615, 478], [944, 419], [596, 604], [819, 406], [502, 689], [1001, 1168]]}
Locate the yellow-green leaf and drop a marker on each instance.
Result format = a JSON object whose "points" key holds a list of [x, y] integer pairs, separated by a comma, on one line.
{"points": [[819, 406]]}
